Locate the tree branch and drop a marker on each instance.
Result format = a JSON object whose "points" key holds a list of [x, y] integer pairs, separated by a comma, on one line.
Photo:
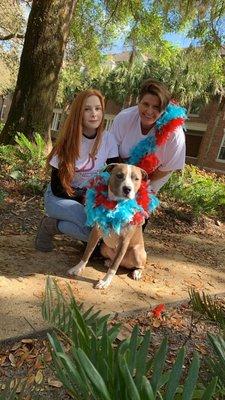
{"points": [[12, 36]]}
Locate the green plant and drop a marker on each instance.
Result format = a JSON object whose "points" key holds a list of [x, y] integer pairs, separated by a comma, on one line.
{"points": [[34, 185], [7, 153], [32, 152], [217, 362], [203, 192], [91, 364], [1, 126], [3, 194], [208, 306], [25, 162]]}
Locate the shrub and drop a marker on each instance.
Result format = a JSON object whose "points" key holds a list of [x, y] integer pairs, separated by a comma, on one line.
{"points": [[25, 162], [217, 362], [91, 364], [3, 194], [203, 192], [1, 126], [208, 307], [31, 152], [7, 154]]}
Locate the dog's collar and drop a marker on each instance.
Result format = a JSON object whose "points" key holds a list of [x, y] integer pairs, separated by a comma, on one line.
{"points": [[143, 153], [114, 215]]}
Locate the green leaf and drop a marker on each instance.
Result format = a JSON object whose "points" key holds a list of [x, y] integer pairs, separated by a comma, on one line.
{"points": [[130, 385], [191, 379], [141, 359], [210, 389], [93, 375], [133, 349], [146, 389], [158, 365], [175, 375]]}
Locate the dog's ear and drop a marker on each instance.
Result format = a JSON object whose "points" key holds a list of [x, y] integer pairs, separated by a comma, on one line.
{"points": [[144, 175], [109, 167]]}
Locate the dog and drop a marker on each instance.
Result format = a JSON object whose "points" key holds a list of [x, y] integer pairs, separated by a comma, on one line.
{"points": [[125, 249]]}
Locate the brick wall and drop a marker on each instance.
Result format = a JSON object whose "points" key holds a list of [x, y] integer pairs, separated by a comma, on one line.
{"points": [[214, 113]]}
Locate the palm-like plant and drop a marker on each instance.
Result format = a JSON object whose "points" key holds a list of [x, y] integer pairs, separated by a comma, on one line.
{"points": [[208, 307], [97, 367], [217, 362]]}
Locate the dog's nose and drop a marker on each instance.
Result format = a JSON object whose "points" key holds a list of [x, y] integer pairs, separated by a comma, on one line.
{"points": [[126, 190]]}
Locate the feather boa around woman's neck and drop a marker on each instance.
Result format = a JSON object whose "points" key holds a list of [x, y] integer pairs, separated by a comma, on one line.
{"points": [[114, 215], [143, 153]]}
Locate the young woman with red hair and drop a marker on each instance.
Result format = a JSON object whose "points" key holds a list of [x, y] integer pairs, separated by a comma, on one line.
{"points": [[82, 149]]}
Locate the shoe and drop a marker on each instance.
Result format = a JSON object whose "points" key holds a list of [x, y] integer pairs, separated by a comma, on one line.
{"points": [[46, 231]]}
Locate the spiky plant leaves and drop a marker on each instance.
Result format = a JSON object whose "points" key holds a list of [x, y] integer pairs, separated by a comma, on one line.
{"points": [[192, 377], [146, 389], [131, 388], [158, 365], [207, 306], [96, 367], [67, 371], [217, 364], [142, 365], [32, 152], [93, 375], [210, 389], [175, 375], [132, 354], [67, 316]]}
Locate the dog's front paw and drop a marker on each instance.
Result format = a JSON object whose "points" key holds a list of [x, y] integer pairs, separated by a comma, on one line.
{"points": [[101, 284], [78, 269], [136, 274]]}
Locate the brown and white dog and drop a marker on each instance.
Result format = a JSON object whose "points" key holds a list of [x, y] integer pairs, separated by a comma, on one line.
{"points": [[127, 248]]}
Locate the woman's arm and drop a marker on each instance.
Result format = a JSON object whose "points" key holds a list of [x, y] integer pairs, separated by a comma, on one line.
{"points": [[59, 191], [114, 160], [157, 174]]}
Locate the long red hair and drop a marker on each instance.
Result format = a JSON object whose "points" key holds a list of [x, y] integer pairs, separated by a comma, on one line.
{"points": [[68, 144]]}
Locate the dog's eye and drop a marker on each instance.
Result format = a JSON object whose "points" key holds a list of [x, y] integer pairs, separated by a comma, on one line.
{"points": [[135, 178], [120, 176]]}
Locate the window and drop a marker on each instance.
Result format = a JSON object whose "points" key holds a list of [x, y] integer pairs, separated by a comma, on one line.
{"points": [[221, 155], [193, 143], [108, 121], [57, 114], [195, 107]]}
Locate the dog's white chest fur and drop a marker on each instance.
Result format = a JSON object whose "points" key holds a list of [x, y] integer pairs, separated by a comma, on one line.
{"points": [[113, 239]]}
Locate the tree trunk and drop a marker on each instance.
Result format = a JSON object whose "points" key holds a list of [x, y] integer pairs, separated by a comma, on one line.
{"points": [[41, 60], [129, 98]]}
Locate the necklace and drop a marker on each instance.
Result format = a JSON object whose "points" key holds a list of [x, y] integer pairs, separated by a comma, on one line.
{"points": [[143, 153], [114, 215]]}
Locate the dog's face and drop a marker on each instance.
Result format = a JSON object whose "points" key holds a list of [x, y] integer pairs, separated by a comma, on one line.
{"points": [[125, 181]]}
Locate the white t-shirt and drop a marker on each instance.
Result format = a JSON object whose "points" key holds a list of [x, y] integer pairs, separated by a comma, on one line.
{"points": [[86, 167], [126, 129]]}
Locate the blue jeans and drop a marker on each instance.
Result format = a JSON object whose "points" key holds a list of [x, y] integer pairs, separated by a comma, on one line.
{"points": [[69, 213]]}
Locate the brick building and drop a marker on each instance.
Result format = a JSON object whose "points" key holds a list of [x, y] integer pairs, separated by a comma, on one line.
{"points": [[205, 137]]}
